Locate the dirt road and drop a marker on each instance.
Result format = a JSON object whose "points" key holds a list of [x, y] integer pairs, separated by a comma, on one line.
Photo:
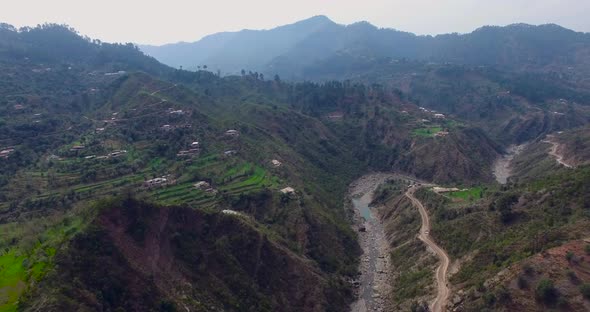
{"points": [[440, 302], [555, 151]]}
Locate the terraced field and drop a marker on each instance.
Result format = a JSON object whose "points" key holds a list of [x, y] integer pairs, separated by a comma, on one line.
{"points": [[427, 131]]}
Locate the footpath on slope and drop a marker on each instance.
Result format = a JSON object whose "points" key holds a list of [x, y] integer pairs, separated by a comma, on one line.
{"points": [[443, 292]]}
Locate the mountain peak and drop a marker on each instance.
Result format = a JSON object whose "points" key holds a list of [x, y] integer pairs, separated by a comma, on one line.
{"points": [[318, 19]]}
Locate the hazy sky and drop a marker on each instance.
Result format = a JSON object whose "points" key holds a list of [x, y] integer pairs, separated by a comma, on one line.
{"points": [[157, 22]]}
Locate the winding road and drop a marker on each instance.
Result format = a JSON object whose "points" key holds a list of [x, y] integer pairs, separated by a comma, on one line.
{"points": [[555, 153], [440, 302]]}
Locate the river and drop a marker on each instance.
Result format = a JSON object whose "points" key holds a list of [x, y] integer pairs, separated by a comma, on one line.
{"points": [[374, 285]]}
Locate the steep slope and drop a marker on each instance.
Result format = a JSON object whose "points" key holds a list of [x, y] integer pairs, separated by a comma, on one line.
{"points": [[138, 256], [464, 155], [519, 247]]}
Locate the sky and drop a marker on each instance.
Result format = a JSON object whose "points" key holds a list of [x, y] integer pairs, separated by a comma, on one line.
{"points": [[159, 22]]}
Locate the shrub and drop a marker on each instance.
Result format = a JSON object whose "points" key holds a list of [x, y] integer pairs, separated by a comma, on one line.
{"points": [[503, 295], [562, 303], [569, 255], [572, 275], [587, 249], [546, 291], [585, 290], [489, 299], [528, 269], [522, 282]]}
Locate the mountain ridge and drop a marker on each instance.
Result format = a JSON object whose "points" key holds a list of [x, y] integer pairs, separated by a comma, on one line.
{"points": [[318, 39]]}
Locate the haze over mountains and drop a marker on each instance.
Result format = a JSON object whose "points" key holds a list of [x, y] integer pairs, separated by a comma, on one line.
{"points": [[130, 185], [293, 51]]}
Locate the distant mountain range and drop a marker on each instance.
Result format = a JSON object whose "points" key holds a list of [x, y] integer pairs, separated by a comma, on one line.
{"points": [[295, 51]]}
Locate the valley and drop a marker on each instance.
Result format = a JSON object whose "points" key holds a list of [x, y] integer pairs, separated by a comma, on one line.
{"points": [[129, 185]]}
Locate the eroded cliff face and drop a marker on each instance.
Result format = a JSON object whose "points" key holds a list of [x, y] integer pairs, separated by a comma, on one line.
{"points": [[461, 157], [140, 257]]}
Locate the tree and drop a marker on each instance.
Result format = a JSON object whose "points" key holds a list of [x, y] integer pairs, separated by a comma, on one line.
{"points": [[419, 307], [546, 291]]}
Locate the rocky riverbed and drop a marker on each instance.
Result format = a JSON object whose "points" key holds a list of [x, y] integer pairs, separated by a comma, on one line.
{"points": [[503, 165], [373, 283]]}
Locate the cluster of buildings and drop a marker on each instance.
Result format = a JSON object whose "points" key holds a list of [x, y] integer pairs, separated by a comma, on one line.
{"points": [[435, 114]]}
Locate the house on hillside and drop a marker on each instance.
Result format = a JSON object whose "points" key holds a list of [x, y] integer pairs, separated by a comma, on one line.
{"points": [[276, 163], [229, 153], [6, 152], [231, 212], [440, 190], [288, 191], [195, 144], [189, 153], [177, 112], [156, 182], [117, 153], [77, 148], [232, 133], [439, 116], [336, 115], [202, 185]]}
